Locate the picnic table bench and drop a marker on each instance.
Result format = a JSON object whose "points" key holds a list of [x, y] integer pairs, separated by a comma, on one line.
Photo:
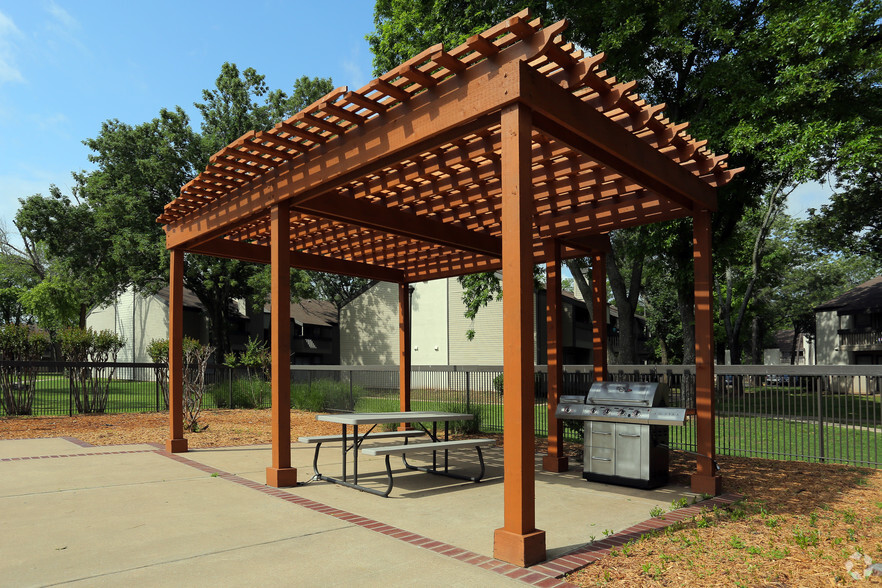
{"points": [[433, 446], [319, 439]]}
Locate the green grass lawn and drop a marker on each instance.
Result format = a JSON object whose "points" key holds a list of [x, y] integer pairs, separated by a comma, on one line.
{"points": [[800, 403], [53, 396]]}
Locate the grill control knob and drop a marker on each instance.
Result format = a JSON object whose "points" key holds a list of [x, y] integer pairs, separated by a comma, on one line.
{"points": [[593, 410], [636, 412], [605, 411], [566, 409], [621, 411]]}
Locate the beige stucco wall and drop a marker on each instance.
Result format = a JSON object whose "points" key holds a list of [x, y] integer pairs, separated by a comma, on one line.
{"points": [[140, 319], [429, 336], [827, 327], [369, 327]]}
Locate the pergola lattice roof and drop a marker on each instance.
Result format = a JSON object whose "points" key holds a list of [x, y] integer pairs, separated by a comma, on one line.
{"points": [[400, 180]]}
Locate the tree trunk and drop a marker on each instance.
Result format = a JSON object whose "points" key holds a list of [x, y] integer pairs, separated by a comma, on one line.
{"points": [[626, 302], [582, 283], [83, 313], [686, 303], [756, 341]]}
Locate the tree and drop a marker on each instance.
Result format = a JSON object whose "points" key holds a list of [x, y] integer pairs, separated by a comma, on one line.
{"points": [[141, 168], [786, 87], [808, 279], [77, 240]]}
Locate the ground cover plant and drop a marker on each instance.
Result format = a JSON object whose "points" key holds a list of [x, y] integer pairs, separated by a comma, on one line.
{"points": [[799, 524]]}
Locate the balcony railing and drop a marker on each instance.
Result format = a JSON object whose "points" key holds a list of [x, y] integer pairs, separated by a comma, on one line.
{"points": [[861, 340]]}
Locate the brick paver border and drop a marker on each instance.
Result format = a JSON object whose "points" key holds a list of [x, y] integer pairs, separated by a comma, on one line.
{"points": [[546, 574]]}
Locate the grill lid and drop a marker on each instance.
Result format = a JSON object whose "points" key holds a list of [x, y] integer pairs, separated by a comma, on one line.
{"points": [[627, 393]]}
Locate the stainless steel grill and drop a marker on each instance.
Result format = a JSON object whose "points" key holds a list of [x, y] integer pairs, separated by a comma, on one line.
{"points": [[626, 431]]}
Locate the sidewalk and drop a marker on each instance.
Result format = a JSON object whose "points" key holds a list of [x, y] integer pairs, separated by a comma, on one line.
{"points": [[136, 515]]}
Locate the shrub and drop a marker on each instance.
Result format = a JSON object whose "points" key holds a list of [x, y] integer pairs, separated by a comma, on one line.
{"points": [[244, 394], [20, 345], [257, 361], [157, 349], [195, 362], [498, 383], [196, 358], [90, 384], [471, 427], [324, 395]]}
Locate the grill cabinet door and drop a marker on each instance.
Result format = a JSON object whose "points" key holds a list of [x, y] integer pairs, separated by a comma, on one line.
{"points": [[600, 443], [630, 452]]}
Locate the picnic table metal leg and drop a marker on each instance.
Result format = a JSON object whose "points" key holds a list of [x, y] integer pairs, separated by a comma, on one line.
{"points": [[355, 446], [344, 452], [316, 475]]}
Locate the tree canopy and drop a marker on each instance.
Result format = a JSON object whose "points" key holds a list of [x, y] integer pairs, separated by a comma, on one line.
{"points": [[789, 88]]}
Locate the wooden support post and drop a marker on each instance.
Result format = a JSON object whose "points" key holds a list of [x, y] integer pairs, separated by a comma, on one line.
{"points": [[705, 480], [176, 443], [404, 348], [601, 341], [281, 474], [555, 460], [518, 541]]}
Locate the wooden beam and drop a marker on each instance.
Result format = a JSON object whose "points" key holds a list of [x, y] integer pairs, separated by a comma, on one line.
{"points": [[261, 254], [176, 443], [599, 310], [555, 460], [404, 347], [567, 118], [362, 213], [518, 541], [280, 473], [705, 480], [454, 108]]}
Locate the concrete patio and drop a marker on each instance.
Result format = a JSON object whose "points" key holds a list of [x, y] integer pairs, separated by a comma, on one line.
{"points": [[136, 515]]}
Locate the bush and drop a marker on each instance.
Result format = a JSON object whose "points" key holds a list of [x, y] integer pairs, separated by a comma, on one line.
{"points": [[324, 395], [90, 385], [472, 427], [257, 360], [498, 383], [195, 362], [18, 381], [245, 394], [157, 349]]}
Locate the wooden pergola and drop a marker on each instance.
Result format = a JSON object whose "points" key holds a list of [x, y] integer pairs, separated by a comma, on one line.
{"points": [[511, 150]]}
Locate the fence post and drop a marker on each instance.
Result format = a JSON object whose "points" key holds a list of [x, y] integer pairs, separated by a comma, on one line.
{"points": [[468, 392], [821, 449], [156, 388], [69, 395]]}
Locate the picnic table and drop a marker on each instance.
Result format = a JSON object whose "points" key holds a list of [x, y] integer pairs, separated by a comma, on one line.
{"points": [[351, 443]]}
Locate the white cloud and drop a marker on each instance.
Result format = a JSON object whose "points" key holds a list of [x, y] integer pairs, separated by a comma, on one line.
{"points": [[9, 33], [62, 17], [353, 65]]}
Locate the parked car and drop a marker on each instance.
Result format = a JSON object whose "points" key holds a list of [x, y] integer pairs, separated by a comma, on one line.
{"points": [[777, 379]]}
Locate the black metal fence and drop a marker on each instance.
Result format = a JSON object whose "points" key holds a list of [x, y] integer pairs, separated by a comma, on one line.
{"points": [[813, 413]]}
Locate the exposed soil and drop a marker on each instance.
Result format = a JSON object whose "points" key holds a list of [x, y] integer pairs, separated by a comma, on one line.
{"points": [[800, 524]]}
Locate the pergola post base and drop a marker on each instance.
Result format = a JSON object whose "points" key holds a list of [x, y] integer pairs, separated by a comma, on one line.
{"points": [[710, 485], [176, 445], [552, 463], [281, 477], [519, 549]]}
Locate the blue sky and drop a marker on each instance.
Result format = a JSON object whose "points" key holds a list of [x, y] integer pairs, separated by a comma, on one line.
{"points": [[67, 66]]}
